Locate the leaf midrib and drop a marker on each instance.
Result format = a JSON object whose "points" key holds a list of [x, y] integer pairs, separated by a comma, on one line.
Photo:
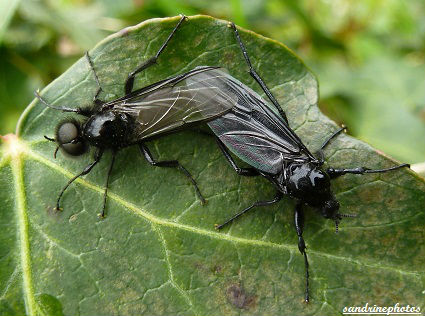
{"points": [[23, 235], [212, 234]]}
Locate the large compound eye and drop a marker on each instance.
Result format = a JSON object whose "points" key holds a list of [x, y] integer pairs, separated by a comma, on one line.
{"points": [[68, 137]]}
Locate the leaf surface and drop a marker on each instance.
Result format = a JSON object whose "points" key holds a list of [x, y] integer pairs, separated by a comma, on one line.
{"points": [[157, 252]]}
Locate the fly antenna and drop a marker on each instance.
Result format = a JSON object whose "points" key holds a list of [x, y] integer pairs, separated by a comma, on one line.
{"points": [[52, 140], [49, 138], [338, 217], [56, 152], [78, 111]]}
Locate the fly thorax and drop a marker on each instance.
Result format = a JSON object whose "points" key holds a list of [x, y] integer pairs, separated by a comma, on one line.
{"points": [[309, 183], [106, 130]]}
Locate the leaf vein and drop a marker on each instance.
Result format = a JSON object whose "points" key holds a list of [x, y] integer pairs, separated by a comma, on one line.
{"points": [[169, 266], [212, 234]]}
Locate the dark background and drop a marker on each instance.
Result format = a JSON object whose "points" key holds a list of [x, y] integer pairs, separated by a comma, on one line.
{"points": [[368, 55]]}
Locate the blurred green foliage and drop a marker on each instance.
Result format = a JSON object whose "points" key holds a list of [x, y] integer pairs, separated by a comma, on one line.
{"points": [[369, 55]]}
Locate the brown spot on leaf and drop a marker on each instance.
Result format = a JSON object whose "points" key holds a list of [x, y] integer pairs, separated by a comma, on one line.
{"points": [[238, 297], [229, 56], [199, 266], [217, 269]]}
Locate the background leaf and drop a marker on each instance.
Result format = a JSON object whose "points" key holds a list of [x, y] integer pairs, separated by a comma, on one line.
{"points": [[7, 9], [157, 251]]}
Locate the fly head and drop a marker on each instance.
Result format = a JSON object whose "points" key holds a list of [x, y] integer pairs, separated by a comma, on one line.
{"points": [[330, 209], [310, 184]]}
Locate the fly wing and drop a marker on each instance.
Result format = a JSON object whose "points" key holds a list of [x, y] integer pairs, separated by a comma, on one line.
{"points": [[257, 134], [199, 95]]}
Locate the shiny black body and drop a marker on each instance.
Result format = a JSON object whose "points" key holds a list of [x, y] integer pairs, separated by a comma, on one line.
{"points": [[141, 115], [261, 136], [108, 130], [263, 139]]}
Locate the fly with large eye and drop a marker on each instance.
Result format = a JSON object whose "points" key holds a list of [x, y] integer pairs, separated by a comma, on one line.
{"points": [[141, 115]]}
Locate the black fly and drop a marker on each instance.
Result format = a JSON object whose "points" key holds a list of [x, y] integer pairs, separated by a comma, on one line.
{"points": [[141, 115], [263, 138], [242, 121]]}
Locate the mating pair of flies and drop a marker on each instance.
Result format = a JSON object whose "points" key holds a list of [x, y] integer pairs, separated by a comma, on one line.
{"points": [[241, 120]]}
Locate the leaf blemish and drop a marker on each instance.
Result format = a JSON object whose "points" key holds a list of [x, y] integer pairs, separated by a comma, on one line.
{"points": [[217, 269], [238, 297]]}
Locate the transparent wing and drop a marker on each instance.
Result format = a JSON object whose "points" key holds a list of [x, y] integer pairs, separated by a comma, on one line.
{"points": [[199, 95], [257, 134]]}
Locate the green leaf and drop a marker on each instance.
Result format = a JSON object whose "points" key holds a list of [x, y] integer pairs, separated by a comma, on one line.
{"points": [[387, 107], [157, 252], [7, 9]]}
